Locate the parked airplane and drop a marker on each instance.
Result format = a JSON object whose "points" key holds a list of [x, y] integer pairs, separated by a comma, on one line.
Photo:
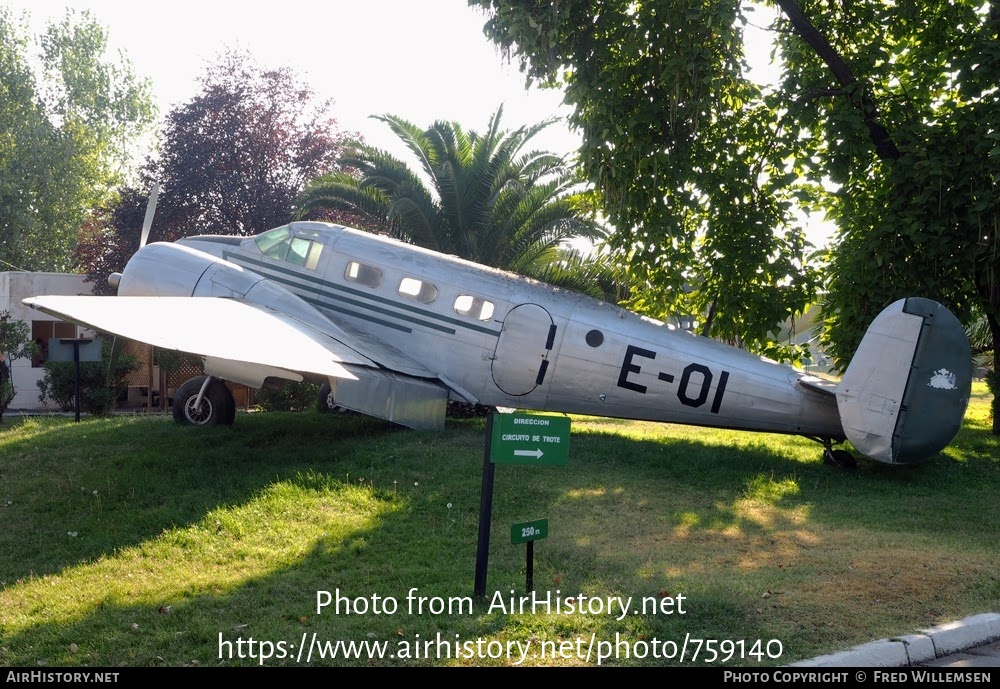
{"points": [[397, 330]]}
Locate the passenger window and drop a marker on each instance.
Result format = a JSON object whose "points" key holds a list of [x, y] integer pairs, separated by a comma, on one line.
{"points": [[474, 307], [419, 290], [370, 276]]}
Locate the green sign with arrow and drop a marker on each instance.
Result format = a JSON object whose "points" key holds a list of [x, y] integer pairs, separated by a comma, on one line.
{"points": [[529, 439]]}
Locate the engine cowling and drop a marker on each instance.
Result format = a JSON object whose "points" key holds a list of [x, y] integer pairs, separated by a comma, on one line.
{"points": [[174, 270]]}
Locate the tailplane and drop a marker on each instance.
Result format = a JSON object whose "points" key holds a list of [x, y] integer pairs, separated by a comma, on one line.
{"points": [[903, 397]]}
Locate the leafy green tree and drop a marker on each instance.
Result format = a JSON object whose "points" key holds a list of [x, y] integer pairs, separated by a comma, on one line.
{"points": [[489, 200], [232, 160], [69, 117], [683, 148], [900, 103], [15, 343], [885, 118]]}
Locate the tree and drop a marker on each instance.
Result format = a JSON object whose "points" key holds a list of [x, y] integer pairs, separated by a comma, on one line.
{"points": [[914, 113], [68, 117], [489, 199], [886, 118], [682, 147], [232, 161], [15, 343]]}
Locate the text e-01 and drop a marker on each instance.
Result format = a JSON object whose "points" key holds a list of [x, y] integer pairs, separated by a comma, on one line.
{"points": [[691, 391]]}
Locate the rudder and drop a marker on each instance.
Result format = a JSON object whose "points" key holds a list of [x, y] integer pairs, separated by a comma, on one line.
{"points": [[904, 395]]}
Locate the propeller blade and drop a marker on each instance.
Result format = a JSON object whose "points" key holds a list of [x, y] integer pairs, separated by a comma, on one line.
{"points": [[147, 222], [117, 345]]}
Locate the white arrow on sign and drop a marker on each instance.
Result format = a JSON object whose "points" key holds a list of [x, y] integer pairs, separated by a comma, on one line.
{"points": [[528, 453]]}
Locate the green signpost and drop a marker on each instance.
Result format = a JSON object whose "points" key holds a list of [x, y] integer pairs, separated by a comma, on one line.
{"points": [[526, 532], [528, 439], [517, 439], [529, 532]]}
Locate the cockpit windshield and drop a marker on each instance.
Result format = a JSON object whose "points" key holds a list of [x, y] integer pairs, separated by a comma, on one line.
{"points": [[302, 248]]}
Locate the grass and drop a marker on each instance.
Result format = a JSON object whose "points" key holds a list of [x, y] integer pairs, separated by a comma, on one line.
{"points": [[131, 541]]}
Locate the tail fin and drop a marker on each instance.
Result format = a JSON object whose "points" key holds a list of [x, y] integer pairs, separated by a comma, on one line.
{"points": [[903, 397]]}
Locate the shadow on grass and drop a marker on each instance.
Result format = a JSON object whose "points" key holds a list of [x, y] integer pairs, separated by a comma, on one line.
{"points": [[74, 492], [622, 516], [413, 555]]}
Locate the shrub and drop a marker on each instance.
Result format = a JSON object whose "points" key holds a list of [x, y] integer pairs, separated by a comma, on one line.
{"points": [[97, 394], [291, 396]]}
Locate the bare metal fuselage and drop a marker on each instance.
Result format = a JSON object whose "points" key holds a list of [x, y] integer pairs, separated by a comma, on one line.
{"points": [[539, 348]]}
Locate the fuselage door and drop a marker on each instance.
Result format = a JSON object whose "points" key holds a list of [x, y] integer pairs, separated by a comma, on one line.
{"points": [[520, 361]]}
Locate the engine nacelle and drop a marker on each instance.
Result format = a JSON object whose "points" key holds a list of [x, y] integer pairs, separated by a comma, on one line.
{"points": [[195, 273]]}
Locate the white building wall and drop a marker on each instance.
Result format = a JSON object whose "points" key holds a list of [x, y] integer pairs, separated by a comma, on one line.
{"points": [[15, 286]]}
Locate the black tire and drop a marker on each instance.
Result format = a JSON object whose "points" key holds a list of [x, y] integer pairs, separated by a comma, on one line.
{"points": [[218, 408], [842, 459], [323, 399]]}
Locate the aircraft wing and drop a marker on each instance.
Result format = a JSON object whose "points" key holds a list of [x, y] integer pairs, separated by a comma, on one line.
{"points": [[248, 343]]}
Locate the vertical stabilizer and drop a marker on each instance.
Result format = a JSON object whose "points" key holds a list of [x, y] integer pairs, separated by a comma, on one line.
{"points": [[904, 395]]}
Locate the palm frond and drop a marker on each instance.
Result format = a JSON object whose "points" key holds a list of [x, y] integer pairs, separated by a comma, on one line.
{"points": [[490, 198]]}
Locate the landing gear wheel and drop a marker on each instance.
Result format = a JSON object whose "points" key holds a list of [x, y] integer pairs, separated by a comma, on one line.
{"points": [[323, 402], [217, 404], [842, 459]]}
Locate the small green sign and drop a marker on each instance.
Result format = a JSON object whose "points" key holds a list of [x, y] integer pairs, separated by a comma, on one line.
{"points": [[529, 531], [529, 439]]}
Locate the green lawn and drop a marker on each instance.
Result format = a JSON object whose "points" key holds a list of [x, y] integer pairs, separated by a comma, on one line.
{"points": [[132, 541]]}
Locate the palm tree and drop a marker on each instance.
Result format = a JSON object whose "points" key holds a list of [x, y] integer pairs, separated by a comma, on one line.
{"points": [[478, 196]]}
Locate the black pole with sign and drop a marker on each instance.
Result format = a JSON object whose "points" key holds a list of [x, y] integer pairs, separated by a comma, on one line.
{"points": [[84, 349], [76, 364], [76, 342], [485, 514]]}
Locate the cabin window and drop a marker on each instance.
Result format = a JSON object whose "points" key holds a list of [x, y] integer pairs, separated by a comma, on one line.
{"points": [[474, 307], [369, 276], [421, 291]]}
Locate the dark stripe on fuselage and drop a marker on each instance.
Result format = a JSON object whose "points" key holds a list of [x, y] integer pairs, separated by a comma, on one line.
{"points": [[362, 316], [236, 258]]}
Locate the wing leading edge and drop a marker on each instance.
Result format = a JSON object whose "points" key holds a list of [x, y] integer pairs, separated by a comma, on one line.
{"points": [[248, 343]]}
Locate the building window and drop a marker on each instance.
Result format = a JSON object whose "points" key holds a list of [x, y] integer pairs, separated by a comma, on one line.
{"points": [[474, 307], [418, 290], [42, 332]]}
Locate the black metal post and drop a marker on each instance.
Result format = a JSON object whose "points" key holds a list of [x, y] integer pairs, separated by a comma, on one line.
{"points": [[76, 362], [485, 514], [529, 566]]}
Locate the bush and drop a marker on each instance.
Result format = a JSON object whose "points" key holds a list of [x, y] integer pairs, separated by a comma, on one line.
{"points": [[97, 396], [291, 396]]}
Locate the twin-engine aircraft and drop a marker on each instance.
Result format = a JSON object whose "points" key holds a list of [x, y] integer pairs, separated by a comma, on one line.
{"points": [[396, 331]]}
